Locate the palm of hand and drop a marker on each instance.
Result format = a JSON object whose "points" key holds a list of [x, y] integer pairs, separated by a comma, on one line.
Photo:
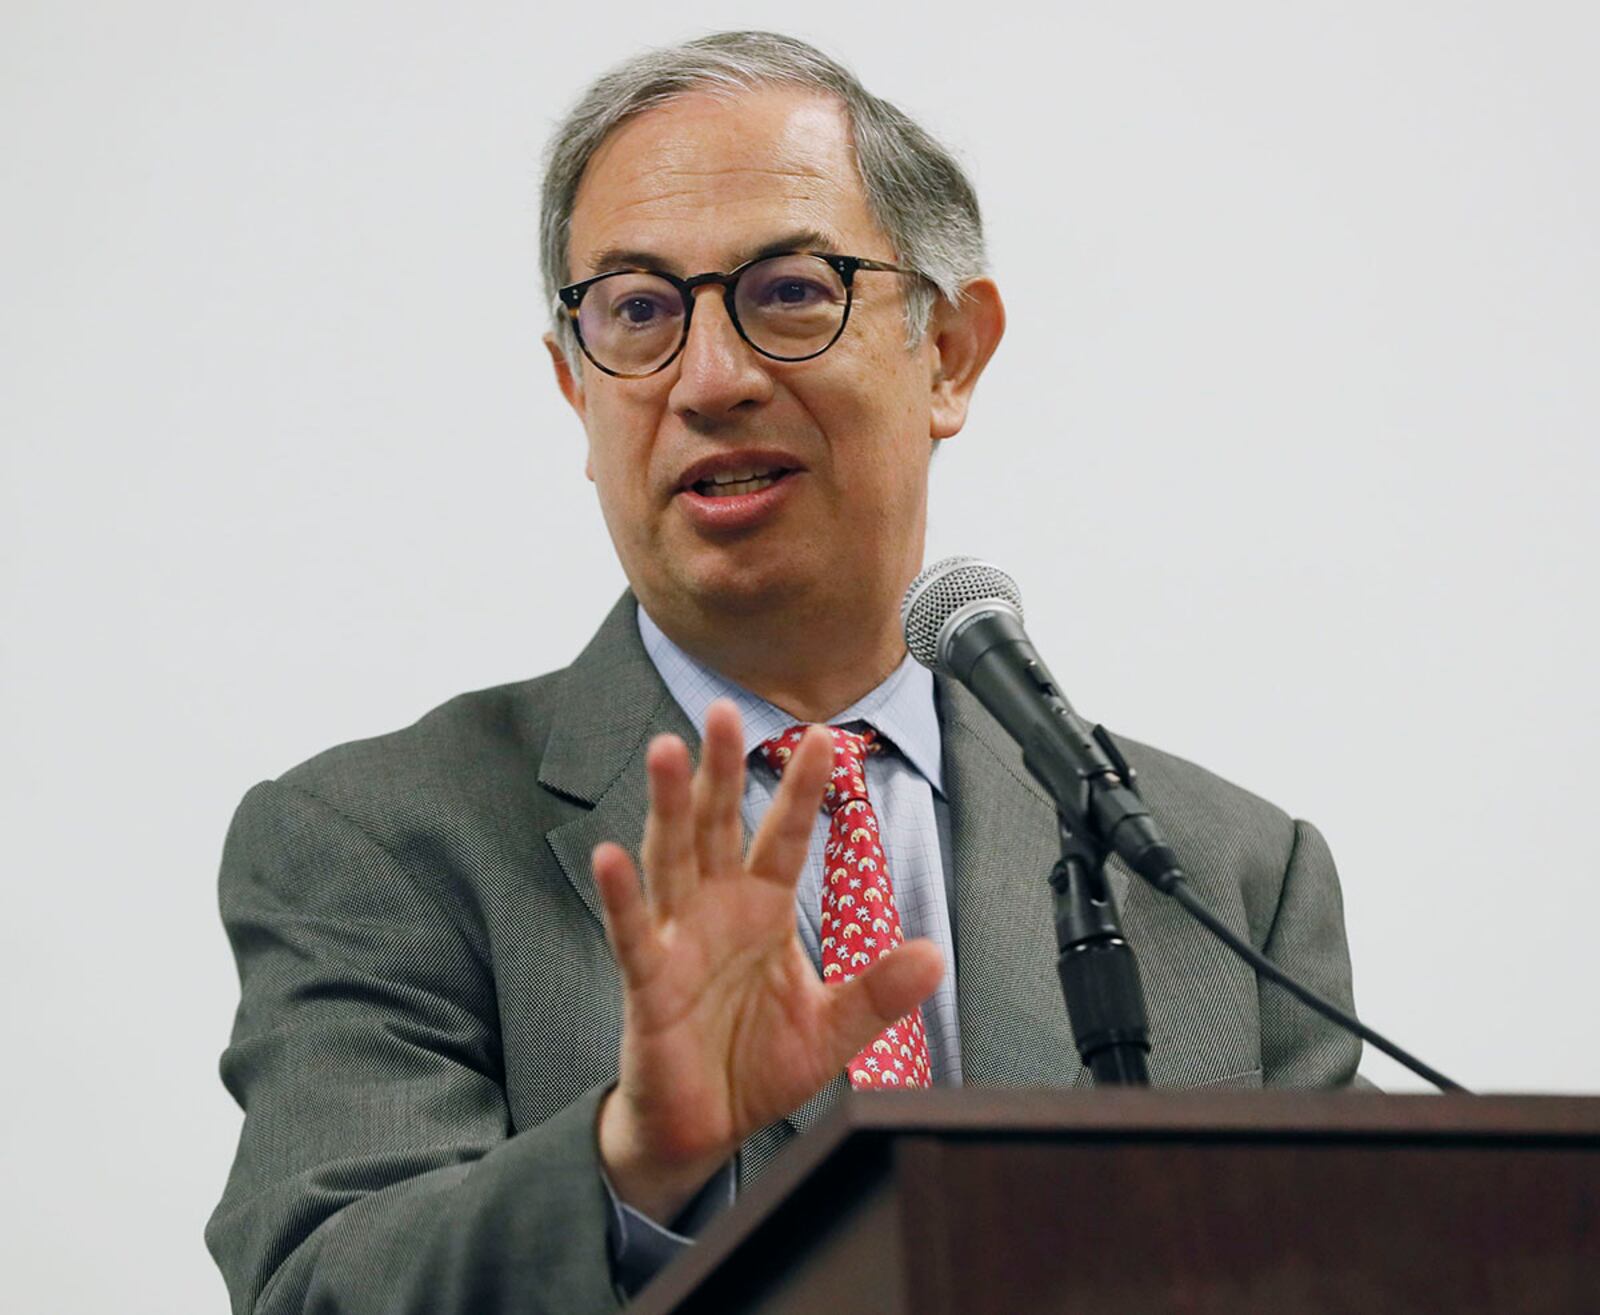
{"points": [[726, 1025], [735, 1023]]}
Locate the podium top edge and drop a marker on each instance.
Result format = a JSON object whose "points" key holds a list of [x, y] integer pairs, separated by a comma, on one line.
{"points": [[1228, 1113]]}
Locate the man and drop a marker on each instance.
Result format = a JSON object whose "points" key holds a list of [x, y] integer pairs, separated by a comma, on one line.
{"points": [[459, 1093]]}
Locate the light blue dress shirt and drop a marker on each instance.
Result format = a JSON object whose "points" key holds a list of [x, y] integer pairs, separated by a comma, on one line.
{"points": [[906, 785]]}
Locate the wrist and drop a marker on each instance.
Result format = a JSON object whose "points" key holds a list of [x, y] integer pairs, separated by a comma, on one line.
{"points": [[656, 1181]]}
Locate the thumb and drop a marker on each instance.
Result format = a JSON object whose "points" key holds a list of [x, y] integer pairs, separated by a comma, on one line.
{"points": [[857, 1010]]}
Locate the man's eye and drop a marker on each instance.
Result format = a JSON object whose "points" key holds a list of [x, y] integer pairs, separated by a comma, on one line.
{"points": [[793, 292], [638, 310]]}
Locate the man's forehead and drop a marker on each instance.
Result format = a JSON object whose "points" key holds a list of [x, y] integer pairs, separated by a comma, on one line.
{"points": [[721, 179]]}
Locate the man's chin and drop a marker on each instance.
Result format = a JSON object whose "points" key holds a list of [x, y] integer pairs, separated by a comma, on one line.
{"points": [[747, 591], [734, 574]]}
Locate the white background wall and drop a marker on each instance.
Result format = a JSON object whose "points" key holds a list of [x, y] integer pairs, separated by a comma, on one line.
{"points": [[1290, 447]]}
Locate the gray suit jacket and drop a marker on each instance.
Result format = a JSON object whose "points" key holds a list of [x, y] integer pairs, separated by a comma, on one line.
{"points": [[429, 1013]]}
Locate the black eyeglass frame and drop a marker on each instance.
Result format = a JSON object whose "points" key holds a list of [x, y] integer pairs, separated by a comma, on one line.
{"points": [[571, 297]]}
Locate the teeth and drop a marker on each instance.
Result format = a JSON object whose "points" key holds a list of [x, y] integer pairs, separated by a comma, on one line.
{"points": [[718, 489], [741, 476], [734, 482]]}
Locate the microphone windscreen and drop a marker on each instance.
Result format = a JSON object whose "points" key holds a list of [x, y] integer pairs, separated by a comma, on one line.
{"points": [[949, 586]]}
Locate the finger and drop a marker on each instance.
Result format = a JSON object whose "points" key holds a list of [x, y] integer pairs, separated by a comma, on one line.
{"points": [[856, 1011], [667, 851], [628, 926], [717, 792], [778, 850]]}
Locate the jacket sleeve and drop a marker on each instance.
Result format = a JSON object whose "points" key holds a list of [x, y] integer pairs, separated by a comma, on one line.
{"points": [[1300, 1048], [378, 1169]]}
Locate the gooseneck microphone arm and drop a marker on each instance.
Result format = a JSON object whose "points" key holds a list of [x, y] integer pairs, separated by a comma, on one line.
{"points": [[964, 617]]}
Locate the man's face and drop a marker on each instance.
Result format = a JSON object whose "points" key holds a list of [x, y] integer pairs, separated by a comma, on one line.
{"points": [[705, 184]]}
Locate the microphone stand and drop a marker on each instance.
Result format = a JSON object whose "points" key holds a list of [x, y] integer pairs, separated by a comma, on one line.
{"points": [[1099, 975]]}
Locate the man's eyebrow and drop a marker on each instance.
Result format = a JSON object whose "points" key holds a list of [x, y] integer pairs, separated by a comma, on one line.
{"points": [[615, 258], [806, 239]]}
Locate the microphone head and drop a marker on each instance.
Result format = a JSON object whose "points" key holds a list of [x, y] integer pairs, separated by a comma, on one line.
{"points": [[949, 591]]}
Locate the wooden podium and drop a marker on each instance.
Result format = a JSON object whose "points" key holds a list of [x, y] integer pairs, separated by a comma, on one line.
{"points": [[1128, 1201]]}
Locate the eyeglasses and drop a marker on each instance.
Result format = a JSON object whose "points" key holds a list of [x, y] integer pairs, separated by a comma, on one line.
{"points": [[789, 307]]}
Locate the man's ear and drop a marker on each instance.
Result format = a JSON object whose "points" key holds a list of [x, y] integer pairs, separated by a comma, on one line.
{"points": [[570, 384], [964, 336]]}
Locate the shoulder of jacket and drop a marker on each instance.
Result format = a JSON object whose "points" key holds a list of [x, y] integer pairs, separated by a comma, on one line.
{"points": [[477, 753], [1205, 814]]}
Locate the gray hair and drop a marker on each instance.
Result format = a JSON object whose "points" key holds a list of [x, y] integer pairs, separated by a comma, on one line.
{"points": [[914, 187]]}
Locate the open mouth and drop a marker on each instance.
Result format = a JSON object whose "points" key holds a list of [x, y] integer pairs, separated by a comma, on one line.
{"points": [[732, 483]]}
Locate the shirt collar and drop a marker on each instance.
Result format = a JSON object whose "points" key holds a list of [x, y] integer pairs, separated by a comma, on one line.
{"points": [[901, 709]]}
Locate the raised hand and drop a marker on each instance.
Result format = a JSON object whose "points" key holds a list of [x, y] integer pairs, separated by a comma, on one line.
{"points": [[726, 1025]]}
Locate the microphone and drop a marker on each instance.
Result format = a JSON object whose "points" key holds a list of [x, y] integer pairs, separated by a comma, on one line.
{"points": [[963, 617]]}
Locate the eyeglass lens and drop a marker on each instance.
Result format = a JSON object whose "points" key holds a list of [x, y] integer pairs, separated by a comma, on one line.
{"points": [[789, 307]]}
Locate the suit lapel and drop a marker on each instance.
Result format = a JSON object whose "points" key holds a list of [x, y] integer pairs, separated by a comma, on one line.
{"points": [[1014, 1026], [613, 702]]}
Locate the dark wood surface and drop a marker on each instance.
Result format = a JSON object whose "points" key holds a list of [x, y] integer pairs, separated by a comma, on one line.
{"points": [[951, 1202]]}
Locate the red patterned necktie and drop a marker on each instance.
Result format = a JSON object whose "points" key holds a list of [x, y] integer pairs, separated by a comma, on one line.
{"points": [[860, 922]]}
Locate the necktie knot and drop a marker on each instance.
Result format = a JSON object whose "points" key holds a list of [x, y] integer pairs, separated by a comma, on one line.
{"points": [[847, 781]]}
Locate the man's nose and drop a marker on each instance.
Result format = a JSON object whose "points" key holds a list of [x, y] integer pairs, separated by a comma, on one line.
{"points": [[718, 371]]}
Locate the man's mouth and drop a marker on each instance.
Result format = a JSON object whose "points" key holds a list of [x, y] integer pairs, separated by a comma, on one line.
{"points": [[732, 483]]}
